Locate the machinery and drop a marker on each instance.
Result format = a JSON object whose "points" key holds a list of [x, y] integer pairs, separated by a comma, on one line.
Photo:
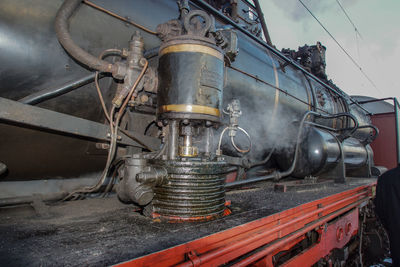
{"points": [[167, 100]]}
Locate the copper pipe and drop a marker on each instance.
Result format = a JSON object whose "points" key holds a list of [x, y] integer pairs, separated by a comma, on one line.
{"points": [[96, 80]]}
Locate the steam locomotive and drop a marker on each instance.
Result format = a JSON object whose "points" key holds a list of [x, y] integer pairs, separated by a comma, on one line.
{"points": [[159, 102]]}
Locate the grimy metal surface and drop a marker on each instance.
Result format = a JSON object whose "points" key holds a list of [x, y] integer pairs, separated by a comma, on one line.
{"points": [[16, 112], [248, 243]]}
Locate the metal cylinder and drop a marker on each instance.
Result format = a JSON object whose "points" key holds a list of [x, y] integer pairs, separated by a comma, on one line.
{"points": [[321, 151], [191, 79], [129, 189], [355, 153], [194, 191]]}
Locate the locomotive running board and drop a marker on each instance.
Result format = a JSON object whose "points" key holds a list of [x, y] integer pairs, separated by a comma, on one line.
{"points": [[258, 241]]}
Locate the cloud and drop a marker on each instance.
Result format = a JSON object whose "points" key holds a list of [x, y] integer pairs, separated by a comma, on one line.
{"points": [[296, 11]]}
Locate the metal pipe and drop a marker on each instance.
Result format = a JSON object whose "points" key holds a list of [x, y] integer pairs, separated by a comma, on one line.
{"points": [[345, 114], [161, 151], [61, 26], [370, 140], [49, 93], [262, 21], [208, 140], [375, 100], [29, 199], [264, 161], [251, 180], [248, 137], [173, 139]]}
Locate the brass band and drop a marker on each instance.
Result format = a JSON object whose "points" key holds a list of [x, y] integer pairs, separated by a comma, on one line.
{"points": [[192, 48], [190, 109]]}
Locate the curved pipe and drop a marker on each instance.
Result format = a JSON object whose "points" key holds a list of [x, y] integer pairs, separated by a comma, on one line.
{"points": [[346, 114], [64, 37], [370, 139], [277, 175], [264, 161]]}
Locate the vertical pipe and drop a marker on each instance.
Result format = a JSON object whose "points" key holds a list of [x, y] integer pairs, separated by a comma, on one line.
{"points": [[208, 141], [173, 139], [396, 113], [187, 141], [262, 21]]}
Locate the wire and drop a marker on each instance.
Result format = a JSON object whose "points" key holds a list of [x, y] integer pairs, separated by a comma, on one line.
{"points": [[111, 151], [341, 47], [348, 17], [358, 34], [117, 164], [118, 17], [113, 143]]}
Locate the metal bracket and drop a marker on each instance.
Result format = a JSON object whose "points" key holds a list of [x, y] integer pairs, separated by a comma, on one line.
{"points": [[194, 258], [47, 120]]}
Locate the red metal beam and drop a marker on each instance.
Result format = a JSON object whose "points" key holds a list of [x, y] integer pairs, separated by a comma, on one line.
{"points": [[272, 232]]}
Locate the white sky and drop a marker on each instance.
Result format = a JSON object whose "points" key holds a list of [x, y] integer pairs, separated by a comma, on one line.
{"points": [[378, 52]]}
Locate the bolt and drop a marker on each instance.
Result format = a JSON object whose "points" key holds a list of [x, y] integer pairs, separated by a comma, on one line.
{"points": [[102, 146], [144, 98], [209, 123], [348, 228]]}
